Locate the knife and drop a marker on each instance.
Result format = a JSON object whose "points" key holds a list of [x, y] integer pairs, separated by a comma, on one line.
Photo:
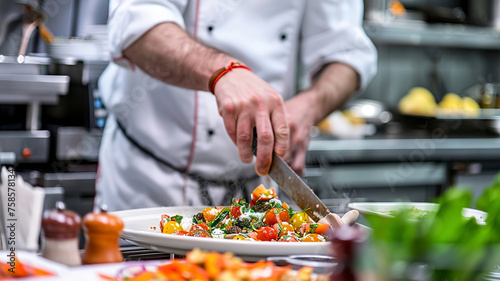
{"points": [[294, 186]]}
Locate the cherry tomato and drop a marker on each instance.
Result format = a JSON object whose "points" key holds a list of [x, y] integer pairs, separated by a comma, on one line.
{"points": [[171, 227], [181, 233], [313, 237], [298, 219], [288, 238], [276, 215], [266, 233], [209, 214], [262, 193]]}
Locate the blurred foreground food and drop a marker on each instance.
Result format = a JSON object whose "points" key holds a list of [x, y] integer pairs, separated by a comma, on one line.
{"points": [[440, 246], [212, 266], [14, 269]]}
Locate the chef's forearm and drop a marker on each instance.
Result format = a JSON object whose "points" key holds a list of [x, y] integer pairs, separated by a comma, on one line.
{"points": [[169, 54], [334, 86]]}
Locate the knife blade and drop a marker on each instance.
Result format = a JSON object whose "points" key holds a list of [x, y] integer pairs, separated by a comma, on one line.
{"points": [[294, 186]]}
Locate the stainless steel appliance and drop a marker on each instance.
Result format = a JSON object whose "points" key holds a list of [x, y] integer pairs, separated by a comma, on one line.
{"points": [[469, 12], [51, 117]]}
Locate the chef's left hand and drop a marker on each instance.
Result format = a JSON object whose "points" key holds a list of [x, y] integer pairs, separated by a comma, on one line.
{"points": [[301, 118]]}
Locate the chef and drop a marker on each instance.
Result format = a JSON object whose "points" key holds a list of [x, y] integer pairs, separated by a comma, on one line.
{"points": [[191, 79]]}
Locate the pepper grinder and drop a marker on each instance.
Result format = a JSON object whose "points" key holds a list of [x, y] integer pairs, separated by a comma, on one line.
{"points": [[61, 228], [102, 231]]}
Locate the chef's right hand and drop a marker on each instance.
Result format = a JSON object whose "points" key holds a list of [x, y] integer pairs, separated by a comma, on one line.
{"points": [[245, 101]]}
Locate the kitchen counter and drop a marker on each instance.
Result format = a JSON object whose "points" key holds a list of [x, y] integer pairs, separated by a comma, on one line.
{"points": [[404, 147], [416, 165]]}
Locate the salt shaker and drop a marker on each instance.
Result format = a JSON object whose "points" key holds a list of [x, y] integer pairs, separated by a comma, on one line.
{"points": [[61, 228], [102, 231]]}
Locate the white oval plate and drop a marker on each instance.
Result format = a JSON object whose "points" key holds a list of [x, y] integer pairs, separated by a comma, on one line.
{"points": [[138, 223], [380, 208]]}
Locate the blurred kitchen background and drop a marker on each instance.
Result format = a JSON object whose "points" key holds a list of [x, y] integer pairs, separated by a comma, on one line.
{"points": [[374, 149]]}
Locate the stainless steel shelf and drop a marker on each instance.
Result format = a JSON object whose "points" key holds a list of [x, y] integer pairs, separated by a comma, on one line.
{"points": [[401, 150], [438, 35], [27, 89]]}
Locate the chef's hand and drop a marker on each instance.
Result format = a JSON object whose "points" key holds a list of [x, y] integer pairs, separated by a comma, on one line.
{"points": [[300, 120], [245, 101]]}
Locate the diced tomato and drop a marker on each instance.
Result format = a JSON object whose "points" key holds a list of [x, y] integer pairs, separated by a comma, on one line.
{"points": [[202, 226], [266, 233], [289, 238], [253, 235], [181, 233], [283, 228], [262, 193], [236, 210], [209, 214], [276, 215], [163, 220], [199, 233]]}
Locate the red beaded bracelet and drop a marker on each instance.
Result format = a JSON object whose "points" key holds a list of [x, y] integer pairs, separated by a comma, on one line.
{"points": [[221, 72]]}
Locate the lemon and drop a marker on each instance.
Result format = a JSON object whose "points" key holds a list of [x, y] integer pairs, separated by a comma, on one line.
{"points": [[422, 94], [470, 107], [451, 104], [418, 101]]}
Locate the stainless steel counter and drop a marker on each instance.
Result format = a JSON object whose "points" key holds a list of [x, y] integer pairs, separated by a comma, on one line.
{"points": [[401, 149], [415, 166]]}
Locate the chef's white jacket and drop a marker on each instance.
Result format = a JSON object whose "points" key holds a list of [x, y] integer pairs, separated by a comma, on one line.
{"points": [[282, 41]]}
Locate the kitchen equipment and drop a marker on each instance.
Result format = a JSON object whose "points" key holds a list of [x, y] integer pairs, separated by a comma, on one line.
{"points": [[294, 186], [372, 111], [140, 224]]}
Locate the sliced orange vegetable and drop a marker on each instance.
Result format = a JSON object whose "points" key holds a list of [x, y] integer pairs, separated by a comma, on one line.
{"points": [[213, 264], [17, 271], [321, 228], [313, 237], [181, 270]]}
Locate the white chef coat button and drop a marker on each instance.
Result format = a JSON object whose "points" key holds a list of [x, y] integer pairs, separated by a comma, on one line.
{"points": [[210, 28], [211, 132], [283, 36]]}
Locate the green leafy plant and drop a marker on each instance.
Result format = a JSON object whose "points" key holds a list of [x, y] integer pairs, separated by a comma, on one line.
{"points": [[451, 246]]}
